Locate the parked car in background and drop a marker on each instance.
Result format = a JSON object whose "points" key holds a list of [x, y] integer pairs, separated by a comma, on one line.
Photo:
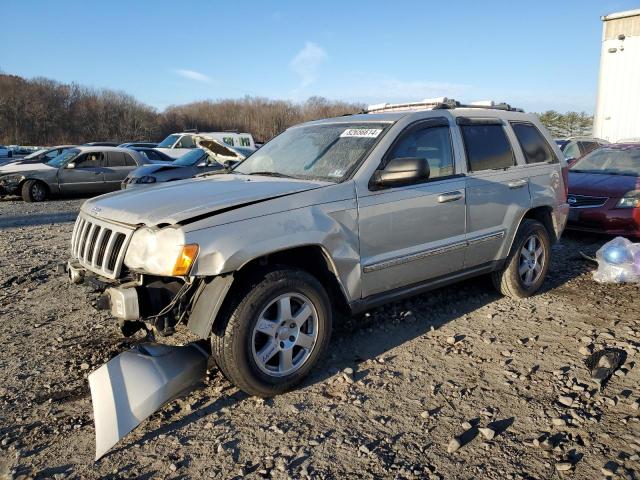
{"points": [[153, 154], [5, 152], [211, 156], [349, 212], [100, 144], [139, 144], [42, 155], [21, 151], [574, 148], [177, 144], [77, 171], [604, 191]]}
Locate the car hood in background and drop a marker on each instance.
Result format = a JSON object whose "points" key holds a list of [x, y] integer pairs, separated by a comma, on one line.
{"points": [[602, 184], [176, 202], [18, 167], [154, 168]]}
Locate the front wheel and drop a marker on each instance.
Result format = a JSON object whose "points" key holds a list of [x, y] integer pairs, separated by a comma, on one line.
{"points": [[34, 191], [274, 331], [528, 261]]}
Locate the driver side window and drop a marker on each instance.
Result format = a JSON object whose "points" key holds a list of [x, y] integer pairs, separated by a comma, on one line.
{"points": [[431, 143], [89, 160]]}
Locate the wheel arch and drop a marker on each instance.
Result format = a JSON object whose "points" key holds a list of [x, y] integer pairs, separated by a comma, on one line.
{"points": [[313, 259]]}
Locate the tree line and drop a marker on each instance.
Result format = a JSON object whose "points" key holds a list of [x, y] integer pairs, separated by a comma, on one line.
{"points": [[41, 111]]}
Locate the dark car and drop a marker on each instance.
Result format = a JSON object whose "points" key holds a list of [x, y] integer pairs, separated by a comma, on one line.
{"points": [[193, 163], [212, 156], [138, 144], [604, 191], [574, 148], [153, 154], [39, 156], [76, 171]]}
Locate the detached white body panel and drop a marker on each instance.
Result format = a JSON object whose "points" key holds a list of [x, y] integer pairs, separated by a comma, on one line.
{"points": [[618, 106], [136, 383]]}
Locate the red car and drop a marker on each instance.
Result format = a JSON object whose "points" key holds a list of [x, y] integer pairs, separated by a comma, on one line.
{"points": [[604, 191]]}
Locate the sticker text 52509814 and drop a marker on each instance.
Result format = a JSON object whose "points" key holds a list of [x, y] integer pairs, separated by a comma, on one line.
{"points": [[361, 132]]}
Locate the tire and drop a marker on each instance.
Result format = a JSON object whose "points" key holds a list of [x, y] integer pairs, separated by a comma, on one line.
{"points": [[514, 279], [34, 191], [239, 343]]}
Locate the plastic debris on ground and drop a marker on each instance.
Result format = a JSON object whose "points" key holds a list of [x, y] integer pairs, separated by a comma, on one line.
{"points": [[618, 262], [602, 364]]}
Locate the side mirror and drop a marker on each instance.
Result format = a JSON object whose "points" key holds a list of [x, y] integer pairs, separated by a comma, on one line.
{"points": [[402, 171], [571, 161], [71, 165]]}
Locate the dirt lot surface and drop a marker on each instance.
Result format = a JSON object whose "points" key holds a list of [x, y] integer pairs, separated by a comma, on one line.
{"points": [[401, 389]]}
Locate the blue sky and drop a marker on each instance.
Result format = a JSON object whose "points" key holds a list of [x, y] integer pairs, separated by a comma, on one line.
{"points": [[537, 55]]}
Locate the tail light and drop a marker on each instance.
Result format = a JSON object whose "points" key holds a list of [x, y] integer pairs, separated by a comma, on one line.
{"points": [[565, 179]]}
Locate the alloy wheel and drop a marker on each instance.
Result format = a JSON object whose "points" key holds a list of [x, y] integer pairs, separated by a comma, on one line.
{"points": [[532, 260], [285, 335]]}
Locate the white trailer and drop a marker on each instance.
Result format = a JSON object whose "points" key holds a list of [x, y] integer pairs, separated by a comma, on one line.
{"points": [[618, 106]]}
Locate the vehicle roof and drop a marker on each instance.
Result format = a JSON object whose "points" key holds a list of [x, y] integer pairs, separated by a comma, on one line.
{"points": [[581, 137], [622, 146], [210, 133], [392, 117], [91, 148]]}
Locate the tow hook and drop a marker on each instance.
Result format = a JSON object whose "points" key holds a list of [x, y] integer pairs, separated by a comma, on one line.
{"points": [[76, 275]]}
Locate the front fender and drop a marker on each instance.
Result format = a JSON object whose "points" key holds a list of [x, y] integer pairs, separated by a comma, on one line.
{"points": [[332, 226]]}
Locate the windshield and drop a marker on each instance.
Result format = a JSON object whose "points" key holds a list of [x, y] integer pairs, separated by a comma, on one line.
{"points": [[191, 158], [169, 141], [610, 160], [63, 158], [321, 152]]}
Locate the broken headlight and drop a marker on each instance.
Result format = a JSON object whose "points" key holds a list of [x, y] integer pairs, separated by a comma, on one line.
{"points": [[160, 252]]}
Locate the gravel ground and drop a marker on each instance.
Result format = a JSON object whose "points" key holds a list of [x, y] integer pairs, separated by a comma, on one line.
{"points": [[407, 391]]}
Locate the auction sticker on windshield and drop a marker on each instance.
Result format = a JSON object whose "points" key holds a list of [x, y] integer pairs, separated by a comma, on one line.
{"points": [[361, 132]]}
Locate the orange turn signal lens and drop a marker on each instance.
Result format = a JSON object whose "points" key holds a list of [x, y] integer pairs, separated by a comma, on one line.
{"points": [[185, 260]]}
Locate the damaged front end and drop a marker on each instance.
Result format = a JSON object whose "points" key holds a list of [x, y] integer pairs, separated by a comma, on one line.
{"points": [[136, 383]]}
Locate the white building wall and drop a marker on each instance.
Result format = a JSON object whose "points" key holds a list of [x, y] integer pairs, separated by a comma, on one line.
{"points": [[618, 105]]}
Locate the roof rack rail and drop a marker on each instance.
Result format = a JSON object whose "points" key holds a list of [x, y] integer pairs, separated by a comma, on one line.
{"points": [[438, 103]]}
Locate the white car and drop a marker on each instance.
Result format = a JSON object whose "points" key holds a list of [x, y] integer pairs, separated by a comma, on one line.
{"points": [[178, 144]]}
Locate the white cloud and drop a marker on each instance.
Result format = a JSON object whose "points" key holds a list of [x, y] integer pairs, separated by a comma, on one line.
{"points": [[307, 62], [193, 75]]}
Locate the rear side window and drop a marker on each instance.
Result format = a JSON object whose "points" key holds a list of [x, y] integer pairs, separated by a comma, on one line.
{"points": [[129, 161], [487, 147], [115, 159], [245, 142], [534, 147]]}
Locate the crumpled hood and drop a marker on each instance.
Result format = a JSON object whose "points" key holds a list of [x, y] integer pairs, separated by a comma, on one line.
{"points": [[178, 201], [601, 185], [18, 167]]}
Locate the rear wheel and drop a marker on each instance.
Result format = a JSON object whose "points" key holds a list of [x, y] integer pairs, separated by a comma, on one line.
{"points": [[34, 191], [274, 331], [528, 261]]}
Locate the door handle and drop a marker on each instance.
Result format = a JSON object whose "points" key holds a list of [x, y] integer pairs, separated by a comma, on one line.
{"points": [[449, 197], [517, 184]]}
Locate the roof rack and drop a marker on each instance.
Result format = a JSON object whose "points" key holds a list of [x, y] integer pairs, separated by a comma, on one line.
{"points": [[439, 103]]}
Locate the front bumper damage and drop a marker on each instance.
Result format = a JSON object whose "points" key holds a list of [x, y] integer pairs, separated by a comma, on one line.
{"points": [[136, 383]]}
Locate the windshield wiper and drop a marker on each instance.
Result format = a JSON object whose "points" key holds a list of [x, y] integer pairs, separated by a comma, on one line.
{"points": [[271, 174]]}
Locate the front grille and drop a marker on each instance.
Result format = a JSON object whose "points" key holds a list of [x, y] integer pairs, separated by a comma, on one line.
{"points": [[585, 201], [99, 246]]}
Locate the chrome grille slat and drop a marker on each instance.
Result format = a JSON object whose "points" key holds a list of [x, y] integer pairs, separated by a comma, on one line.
{"points": [[96, 246], [100, 246]]}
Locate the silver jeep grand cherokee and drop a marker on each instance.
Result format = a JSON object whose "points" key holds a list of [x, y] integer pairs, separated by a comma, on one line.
{"points": [[339, 214]]}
